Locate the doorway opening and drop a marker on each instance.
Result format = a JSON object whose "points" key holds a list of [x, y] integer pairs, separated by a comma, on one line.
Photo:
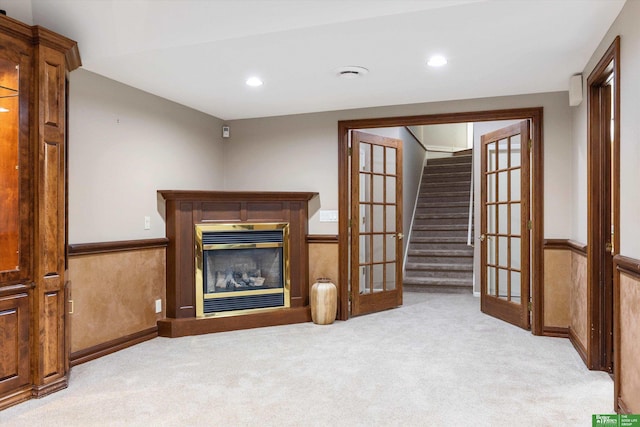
{"points": [[532, 115], [603, 238]]}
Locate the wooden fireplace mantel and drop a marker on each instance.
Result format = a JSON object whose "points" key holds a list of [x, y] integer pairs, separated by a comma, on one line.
{"points": [[185, 209], [202, 195]]}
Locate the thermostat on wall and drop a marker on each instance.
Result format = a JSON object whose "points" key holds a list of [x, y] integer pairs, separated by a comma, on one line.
{"points": [[226, 131]]}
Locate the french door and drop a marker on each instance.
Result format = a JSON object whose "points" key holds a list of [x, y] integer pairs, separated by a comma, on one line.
{"points": [[504, 222], [376, 223]]}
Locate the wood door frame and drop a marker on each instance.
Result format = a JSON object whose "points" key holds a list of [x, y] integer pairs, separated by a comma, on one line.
{"points": [[600, 298], [535, 114]]}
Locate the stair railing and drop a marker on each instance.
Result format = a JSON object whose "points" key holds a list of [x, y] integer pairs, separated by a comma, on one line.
{"points": [[470, 225]]}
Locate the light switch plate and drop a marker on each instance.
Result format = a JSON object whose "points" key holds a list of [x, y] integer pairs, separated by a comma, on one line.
{"points": [[158, 306], [328, 216]]}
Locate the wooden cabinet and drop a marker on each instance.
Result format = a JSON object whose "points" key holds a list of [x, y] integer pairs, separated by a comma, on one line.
{"points": [[34, 356]]}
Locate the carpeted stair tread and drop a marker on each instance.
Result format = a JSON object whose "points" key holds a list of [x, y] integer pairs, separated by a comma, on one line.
{"points": [[436, 240], [443, 176], [442, 215], [428, 205], [450, 160], [433, 266], [438, 281], [438, 257], [441, 252]]}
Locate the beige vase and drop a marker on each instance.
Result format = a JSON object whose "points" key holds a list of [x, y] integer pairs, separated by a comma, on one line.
{"points": [[324, 302]]}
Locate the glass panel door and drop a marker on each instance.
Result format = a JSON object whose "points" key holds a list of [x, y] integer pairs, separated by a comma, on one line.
{"points": [[504, 224], [376, 231]]}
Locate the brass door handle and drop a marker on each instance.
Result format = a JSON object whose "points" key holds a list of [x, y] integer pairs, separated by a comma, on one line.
{"points": [[399, 236], [608, 247], [482, 237]]}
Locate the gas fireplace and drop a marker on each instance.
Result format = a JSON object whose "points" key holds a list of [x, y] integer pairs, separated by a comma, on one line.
{"points": [[241, 268]]}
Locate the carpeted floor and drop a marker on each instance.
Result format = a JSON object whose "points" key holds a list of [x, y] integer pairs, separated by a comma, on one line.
{"points": [[436, 361]]}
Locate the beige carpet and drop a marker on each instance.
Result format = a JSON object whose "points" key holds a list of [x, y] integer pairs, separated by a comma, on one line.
{"points": [[437, 361]]}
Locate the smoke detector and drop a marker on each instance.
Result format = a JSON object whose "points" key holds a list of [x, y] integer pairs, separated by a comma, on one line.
{"points": [[351, 72]]}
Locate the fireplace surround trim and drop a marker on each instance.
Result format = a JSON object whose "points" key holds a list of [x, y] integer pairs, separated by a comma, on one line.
{"points": [[182, 209]]}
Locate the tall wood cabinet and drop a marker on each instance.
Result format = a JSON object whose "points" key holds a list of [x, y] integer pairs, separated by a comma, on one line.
{"points": [[34, 346]]}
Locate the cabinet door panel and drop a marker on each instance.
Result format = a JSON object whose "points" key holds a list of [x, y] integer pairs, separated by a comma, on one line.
{"points": [[16, 193], [14, 334]]}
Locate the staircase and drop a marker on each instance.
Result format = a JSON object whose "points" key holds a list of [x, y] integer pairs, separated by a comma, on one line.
{"points": [[438, 257]]}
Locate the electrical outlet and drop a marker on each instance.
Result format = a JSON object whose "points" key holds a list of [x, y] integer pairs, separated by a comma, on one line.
{"points": [[147, 222], [158, 306]]}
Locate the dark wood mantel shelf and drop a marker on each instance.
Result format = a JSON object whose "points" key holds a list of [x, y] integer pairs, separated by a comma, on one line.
{"points": [[185, 209], [203, 195]]}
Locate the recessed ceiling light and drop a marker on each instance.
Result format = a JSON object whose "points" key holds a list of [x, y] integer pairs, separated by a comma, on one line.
{"points": [[351, 72], [254, 82], [437, 61]]}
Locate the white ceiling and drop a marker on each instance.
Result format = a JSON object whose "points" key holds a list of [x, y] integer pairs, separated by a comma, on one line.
{"points": [[200, 52]]}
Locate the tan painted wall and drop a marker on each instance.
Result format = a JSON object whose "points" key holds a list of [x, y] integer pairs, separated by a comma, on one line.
{"points": [[114, 294], [626, 25], [630, 342], [124, 145], [557, 286], [305, 149]]}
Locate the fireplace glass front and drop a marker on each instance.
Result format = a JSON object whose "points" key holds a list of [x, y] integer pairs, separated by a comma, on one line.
{"points": [[241, 267]]}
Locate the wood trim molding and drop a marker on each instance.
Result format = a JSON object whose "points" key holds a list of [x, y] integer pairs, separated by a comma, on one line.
{"points": [[322, 238], [16, 289], [577, 345], [195, 195], [555, 331], [119, 246], [627, 265], [622, 407], [566, 244], [112, 346], [187, 326]]}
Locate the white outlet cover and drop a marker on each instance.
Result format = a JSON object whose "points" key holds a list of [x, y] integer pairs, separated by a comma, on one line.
{"points": [[158, 306], [328, 215]]}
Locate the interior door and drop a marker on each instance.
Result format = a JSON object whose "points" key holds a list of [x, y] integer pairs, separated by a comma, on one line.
{"points": [[376, 223], [505, 225]]}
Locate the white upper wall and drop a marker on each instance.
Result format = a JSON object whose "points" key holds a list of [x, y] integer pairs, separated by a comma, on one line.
{"points": [[18, 9], [124, 145], [626, 25]]}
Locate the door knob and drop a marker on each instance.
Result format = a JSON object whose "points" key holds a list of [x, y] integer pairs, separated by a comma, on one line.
{"points": [[608, 247], [482, 237]]}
